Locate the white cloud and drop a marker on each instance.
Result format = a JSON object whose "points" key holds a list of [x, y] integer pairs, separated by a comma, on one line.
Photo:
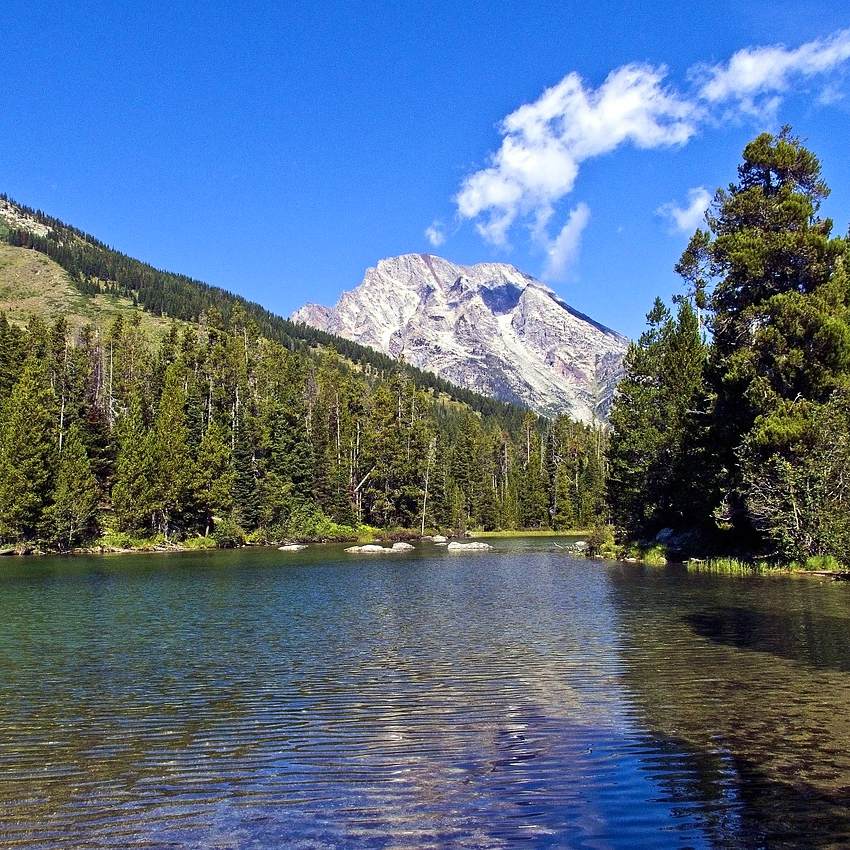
{"points": [[435, 234], [563, 249], [544, 143], [687, 218], [756, 71]]}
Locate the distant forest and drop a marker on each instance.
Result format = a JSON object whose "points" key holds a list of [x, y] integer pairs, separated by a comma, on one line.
{"points": [[241, 426]]}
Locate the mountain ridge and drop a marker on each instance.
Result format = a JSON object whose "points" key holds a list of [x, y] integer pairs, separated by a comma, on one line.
{"points": [[489, 327]]}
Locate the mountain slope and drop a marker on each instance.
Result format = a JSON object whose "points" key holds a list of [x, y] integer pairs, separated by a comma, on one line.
{"points": [[488, 327], [32, 284], [90, 281]]}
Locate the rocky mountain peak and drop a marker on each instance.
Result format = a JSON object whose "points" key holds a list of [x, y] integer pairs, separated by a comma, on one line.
{"points": [[489, 327]]}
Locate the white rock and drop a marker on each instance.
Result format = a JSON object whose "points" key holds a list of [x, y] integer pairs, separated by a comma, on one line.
{"points": [[488, 327], [369, 549], [438, 538], [292, 547], [402, 547], [475, 546]]}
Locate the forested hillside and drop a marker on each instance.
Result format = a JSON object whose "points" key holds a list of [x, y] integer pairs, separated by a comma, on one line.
{"points": [[742, 434], [231, 428], [95, 269]]}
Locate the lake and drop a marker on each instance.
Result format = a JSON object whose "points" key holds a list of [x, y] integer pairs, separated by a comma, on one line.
{"points": [[519, 697]]}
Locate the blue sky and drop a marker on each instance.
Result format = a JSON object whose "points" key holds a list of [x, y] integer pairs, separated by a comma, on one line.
{"points": [[279, 149]]}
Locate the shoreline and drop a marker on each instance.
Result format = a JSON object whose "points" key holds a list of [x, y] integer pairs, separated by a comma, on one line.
{"points": [[32, 550]]}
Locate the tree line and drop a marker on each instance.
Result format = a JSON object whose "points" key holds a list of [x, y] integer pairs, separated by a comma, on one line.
{"points": [[733, 419], [220, 433]]}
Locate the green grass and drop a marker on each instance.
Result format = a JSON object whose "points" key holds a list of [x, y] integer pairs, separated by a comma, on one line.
{"points": [[820, 563], [198, 543], [31, 284], [123, 540], [735, 566]]}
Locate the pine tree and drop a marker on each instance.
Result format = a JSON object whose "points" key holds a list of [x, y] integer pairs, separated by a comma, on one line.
{"points": [[246, 495], [778, 311], [173, 468], [71, 514], [28, 445], [134, 496], [214, 476], [652, 425]]}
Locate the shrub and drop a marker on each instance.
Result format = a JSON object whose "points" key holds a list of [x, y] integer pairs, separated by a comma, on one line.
{"points": [[655, 556], [228, 534], [600, 542]]}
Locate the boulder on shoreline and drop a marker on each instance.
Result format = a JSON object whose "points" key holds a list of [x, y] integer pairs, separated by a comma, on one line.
{"points": [[475, 546], [375, 549]]}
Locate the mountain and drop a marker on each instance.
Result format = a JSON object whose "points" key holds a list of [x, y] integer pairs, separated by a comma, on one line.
{"points": [[488, 327], [50, 269]]}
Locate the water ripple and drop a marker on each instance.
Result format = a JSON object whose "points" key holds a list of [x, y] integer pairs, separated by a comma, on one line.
{"points": [[513, 699]]}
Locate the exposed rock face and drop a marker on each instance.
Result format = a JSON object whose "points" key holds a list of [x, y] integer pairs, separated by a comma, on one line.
{"points": [[487, 327]]}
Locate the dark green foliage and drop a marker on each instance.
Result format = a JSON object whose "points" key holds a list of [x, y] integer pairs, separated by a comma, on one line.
{"points": [[214, 476], [764, 431], [653, 452], [28, 448], [73, 509], [134, 499]]}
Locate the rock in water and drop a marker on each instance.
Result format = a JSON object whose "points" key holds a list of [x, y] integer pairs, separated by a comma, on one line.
{"points": [[292, 547], [402, 547], [487, 327], [475, 546]]}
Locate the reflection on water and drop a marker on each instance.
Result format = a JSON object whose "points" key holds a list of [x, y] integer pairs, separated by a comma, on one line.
{"points": [[748, 678], [517, 698]]}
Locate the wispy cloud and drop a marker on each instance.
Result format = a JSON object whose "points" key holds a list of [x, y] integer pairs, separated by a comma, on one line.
{"points": [[688, 217], [544, 143], [758, 71], [435, 234], [564, 248]]}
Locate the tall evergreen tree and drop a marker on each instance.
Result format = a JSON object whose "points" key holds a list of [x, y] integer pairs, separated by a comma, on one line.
{"points": [[28, 446], [134, 496], [72, 512], [214, 476], [172, 461], [778, 310]]}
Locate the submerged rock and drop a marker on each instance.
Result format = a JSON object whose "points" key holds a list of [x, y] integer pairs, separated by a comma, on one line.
{"points": [[475, 546], [292, 547]]}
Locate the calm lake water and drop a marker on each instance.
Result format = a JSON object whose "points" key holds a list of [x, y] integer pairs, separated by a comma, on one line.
{"points": [[514, 698]]}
